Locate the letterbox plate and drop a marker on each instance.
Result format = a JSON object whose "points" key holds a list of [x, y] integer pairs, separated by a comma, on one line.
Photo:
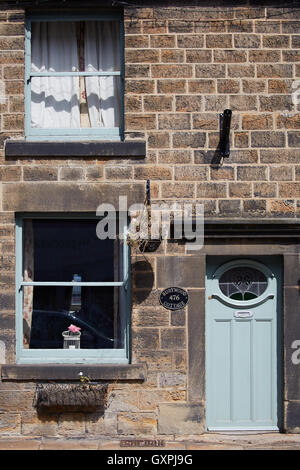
{"points": [[243, 314]]}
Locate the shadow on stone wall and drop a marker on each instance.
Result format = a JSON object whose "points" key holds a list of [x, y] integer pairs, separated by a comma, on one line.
{"points": [[142, 280]]}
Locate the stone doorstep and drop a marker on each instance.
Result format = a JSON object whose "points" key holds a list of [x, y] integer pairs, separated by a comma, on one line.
{"points": [[248, 439]]}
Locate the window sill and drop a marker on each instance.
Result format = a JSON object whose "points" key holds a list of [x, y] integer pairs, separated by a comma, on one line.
{"points": [[66, 372], [24, 148]]}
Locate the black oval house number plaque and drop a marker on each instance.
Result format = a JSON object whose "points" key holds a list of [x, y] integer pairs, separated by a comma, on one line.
{"points": [[174, 298]]}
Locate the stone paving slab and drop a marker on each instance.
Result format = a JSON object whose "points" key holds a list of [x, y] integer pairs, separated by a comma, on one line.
{"points": [[208, 441], [20, 444], [212, 447], [57, 444]]}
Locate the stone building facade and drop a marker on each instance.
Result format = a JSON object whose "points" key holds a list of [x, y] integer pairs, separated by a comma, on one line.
{"points": [[184, 64]]}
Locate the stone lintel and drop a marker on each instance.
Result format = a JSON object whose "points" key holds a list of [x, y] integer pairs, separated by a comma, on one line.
{"points": [[68, 197]]}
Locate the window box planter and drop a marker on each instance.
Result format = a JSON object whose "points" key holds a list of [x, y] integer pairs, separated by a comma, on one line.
{"points": [[70, 397]]}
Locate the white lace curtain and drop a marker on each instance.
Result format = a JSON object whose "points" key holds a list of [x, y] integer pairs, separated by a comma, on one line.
{"points": [[55, 101]]}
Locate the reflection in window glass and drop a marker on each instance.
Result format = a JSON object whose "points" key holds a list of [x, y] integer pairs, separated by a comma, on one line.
{"points": [[53, 313]]}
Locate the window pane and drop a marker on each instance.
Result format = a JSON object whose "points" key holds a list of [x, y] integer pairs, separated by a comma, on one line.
{"points": [[75, 102], [101, 46], [95, 312], [54, 46], [55, 103], [72, 46], [103, 101], [58, 250]]}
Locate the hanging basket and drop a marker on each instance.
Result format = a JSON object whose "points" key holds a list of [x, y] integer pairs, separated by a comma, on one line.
{"points": [[145, 244], [70, 396], [149, 246]]}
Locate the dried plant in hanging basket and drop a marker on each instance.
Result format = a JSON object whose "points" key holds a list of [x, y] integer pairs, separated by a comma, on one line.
{"points": [[149, 246], [144, 243], [70, 396]]}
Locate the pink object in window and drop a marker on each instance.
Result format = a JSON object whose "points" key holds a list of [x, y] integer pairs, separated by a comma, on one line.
{"points": [[74, 329]]}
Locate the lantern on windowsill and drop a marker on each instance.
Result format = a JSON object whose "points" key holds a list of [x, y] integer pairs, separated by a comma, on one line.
{"points": [[72, 337]]}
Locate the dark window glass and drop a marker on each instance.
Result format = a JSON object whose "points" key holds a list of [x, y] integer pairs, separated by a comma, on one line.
{"points": [[63, 251]]}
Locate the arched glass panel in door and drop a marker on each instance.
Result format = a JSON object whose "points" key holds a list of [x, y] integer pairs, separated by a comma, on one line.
{"points": [[243, 283]]}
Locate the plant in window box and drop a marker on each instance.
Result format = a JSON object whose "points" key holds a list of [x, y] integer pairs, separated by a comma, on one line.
{"points": [[86, 395], [72, 337]]}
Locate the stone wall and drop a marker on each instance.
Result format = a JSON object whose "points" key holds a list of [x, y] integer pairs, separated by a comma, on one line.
{"points": [[183, 67]]}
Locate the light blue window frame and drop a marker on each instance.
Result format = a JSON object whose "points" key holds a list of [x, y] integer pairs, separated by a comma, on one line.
{"points": [[78, 356], [33, 134]]}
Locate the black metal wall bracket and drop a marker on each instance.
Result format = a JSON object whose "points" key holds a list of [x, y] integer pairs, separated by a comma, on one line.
{"points": [[148, 195], [225, 119]]}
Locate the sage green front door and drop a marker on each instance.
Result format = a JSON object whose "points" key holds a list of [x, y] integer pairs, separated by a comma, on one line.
{"points": [[241, 344]]}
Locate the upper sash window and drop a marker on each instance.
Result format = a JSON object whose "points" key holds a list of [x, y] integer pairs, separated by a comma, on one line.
{"points": [[74, 78]]}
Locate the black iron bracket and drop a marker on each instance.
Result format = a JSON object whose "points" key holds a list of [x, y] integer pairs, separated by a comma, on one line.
{"points": [[225, 120], [148, 195]]}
